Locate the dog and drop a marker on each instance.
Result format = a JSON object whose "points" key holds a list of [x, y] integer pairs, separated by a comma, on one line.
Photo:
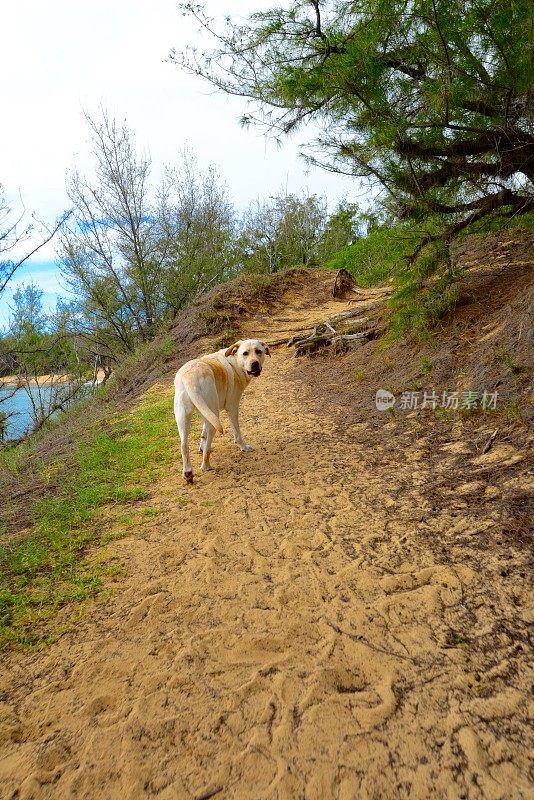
{"points": [[210, 384]]}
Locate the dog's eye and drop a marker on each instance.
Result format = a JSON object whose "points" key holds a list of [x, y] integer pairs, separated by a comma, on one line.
{"points": [[245, 353], [258, 352]]}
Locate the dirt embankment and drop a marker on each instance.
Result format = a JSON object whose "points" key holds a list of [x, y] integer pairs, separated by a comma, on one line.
{"points": [[343, 613]]}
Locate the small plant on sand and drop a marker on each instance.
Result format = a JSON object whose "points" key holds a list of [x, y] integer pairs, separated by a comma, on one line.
{"points": [[425, 367], [455, 639]]}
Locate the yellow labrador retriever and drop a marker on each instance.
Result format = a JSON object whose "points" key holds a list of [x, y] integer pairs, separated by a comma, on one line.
{"points": [[210, 384]]}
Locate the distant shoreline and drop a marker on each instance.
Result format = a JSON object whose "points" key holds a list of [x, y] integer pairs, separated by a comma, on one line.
{"points": [[14, 382]]}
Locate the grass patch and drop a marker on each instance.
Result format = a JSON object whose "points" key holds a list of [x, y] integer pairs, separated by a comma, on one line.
{"points": [[495, 222], [378, 256], [50, 565], [425, 367], [420, 299]]}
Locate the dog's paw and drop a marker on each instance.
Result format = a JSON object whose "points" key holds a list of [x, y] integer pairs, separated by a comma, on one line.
{"points": [[188, 476], [206, 467], [246, 448]]}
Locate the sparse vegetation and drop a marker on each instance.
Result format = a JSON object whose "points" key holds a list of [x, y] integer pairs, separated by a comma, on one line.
{"points": [[455, 639], [425, 367]]}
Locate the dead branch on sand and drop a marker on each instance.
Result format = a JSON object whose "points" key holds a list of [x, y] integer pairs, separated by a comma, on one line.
{"points": [[345, 330], [490, 441]]}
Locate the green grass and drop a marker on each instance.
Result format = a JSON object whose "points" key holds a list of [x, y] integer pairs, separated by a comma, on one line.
{"points": [[379, 256], [52, 563], [497, 223]]}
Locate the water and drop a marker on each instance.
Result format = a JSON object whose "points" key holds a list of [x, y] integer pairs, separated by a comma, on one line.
{"points": [[21, 406]]}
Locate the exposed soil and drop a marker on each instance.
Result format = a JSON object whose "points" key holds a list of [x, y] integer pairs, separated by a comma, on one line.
{"points": [[343, 613]]}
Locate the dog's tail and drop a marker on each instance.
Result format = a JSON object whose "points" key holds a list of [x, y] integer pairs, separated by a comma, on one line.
{"points": [[199, 402]]}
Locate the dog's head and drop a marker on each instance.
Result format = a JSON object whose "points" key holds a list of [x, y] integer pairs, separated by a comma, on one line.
{"points": [[250, 355]]}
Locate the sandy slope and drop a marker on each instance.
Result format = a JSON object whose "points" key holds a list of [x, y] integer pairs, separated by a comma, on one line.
{"points": [[280, 632]]}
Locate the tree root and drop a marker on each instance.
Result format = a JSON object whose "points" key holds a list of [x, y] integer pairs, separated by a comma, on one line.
{"points": [[328, 334]]}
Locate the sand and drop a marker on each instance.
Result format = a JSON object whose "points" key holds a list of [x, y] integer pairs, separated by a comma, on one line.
{"points": [[281, 630]]}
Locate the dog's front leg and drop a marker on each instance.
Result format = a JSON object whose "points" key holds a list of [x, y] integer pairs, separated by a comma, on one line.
{"points": [[233, 416]]}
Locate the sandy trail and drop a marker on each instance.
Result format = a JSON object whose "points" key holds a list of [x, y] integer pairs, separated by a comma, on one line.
{"points": [[278, 633]]}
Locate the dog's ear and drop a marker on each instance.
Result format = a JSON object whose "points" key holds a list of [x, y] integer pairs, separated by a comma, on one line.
{"points": [[267, 351], [232, 350]]}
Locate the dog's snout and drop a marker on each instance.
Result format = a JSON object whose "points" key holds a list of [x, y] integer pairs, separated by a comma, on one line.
{"points": [[254, 368]]}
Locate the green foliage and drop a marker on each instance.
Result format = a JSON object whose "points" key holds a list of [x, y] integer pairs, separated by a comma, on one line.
{"points": [[341, 228], [198, 224], [421, 296], [110, 254], [496, 222], [431, 100], [381, 255], [283, 232], [50, 565], [40, 344], [455, 639]]}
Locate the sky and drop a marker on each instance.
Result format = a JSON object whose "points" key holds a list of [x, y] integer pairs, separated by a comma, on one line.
{"points": [[62, 57]]}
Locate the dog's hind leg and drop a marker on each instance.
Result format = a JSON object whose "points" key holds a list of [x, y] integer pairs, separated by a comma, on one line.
{"points": [[183, 410], [206, 445], [202, 438]]}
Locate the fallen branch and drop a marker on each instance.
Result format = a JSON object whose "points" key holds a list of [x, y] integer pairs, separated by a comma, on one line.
{"points": [[351, 337], [490, 441], [209, 793], [312, 344], [347, 315], [330, 333], [341, 342], [327, 327], [321, 329]]}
